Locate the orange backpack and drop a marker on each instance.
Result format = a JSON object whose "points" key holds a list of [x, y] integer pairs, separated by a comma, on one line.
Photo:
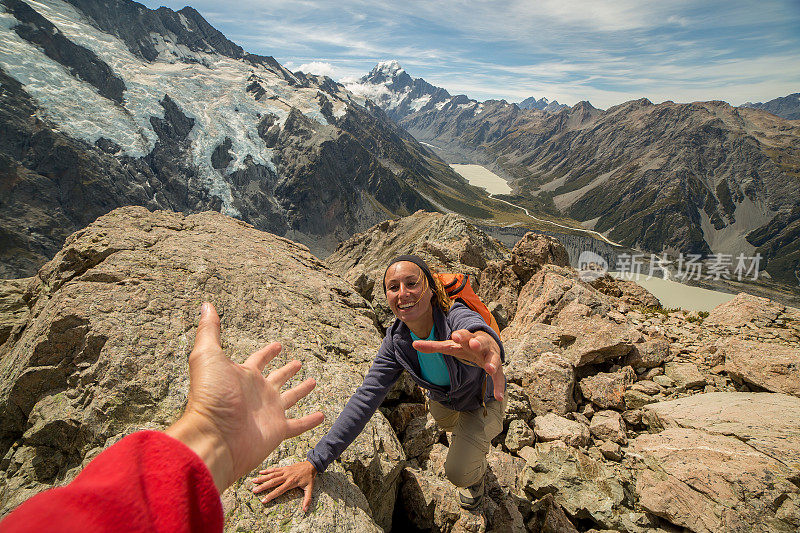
{"points": [[458, 287]]}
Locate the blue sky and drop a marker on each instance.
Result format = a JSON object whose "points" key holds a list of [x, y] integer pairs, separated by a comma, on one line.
{"points": [[606, 52]]}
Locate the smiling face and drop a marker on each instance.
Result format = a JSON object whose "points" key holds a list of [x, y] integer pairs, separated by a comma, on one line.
{"points": [[409, 295]]}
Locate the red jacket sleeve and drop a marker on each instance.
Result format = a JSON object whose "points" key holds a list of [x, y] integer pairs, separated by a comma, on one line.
{"points": [[148, 481]]}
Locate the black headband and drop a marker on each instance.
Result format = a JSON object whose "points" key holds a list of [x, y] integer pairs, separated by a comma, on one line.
{"points": [[417, 260]]}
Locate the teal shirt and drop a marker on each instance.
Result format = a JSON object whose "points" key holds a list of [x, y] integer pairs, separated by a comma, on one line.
{"points": [[432, 365]]}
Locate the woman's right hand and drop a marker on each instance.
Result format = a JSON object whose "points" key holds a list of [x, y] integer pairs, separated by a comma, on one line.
{"points": [[285, 478]]}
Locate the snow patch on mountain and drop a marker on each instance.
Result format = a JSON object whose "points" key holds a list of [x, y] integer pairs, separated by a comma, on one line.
{"points": [[206, 86]]}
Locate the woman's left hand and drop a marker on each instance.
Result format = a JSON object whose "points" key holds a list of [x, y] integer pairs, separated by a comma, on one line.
{"points": [[477, 348]]}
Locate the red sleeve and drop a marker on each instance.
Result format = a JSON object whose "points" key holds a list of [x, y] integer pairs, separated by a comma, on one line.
{"points": [[146, 482]]}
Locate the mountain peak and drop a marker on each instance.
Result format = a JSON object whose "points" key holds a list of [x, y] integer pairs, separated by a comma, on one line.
{"points": [[390, 68]]}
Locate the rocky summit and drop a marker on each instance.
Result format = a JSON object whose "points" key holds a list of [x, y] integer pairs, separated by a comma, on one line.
{"points": [[621, 416]]}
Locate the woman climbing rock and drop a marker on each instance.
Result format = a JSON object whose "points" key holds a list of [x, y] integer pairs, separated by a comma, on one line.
{"points": [[449, 351]]}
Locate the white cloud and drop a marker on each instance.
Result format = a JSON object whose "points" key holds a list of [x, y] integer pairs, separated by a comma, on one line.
{"points": [[605, 51], [318, 67]]}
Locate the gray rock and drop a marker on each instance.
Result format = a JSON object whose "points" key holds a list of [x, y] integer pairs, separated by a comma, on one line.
{"points": [[432, 502], [104, 353], [611, 451], [632, 417], [648, 354], [420, 435], [518, 407], [548, 382], [744, 309], [551, 427], [664, 381], [636, 400], [648, 387], [767, 422], [519, 435], [549, 517], [685, 375], [581, 485]]}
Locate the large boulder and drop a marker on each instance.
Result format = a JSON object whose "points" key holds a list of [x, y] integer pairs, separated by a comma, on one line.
{"points": [[534, 250], [446, 242], [712, 483], [583, 486], [608, 426], [767, 422], [773, 367], [606, 390], [651, 353], [745, 309], [551, 427], [502, 280], [103, 352], [558, 312], [548, 381], [628, 291]]}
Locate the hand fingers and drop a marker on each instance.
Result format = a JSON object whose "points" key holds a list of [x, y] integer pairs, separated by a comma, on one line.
{"points": [[499, 381], [461, 336], [448, 346], [208, 335], [293, 395], [261, 479], [268, 485], [282, 374], [492, 362], [307, 497], [259, 359], [285, 487], [296, 426]]}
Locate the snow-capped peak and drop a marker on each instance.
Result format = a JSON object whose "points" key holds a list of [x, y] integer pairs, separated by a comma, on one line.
{"points": [[390, 68]]}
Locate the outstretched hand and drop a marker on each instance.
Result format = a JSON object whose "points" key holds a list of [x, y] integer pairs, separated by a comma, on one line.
{"points": [[477, 348], [235, 416]]}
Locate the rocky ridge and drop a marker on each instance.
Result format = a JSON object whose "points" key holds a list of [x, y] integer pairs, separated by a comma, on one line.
{"points": [[787, 107], [621, 416]]}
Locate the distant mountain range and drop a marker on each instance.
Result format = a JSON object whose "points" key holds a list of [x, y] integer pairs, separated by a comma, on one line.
{"points": [[399, 95], [108, 103], [701, 178], [542, 104], [787, 107]]}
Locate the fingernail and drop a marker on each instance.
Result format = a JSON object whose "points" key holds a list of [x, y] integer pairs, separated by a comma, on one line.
{"points": [[204, 309]]}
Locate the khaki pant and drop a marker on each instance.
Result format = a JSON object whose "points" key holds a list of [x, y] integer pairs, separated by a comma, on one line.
{"points": [[472, 435]]}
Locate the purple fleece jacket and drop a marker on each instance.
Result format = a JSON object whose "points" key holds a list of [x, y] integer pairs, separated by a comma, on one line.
{"points": [[395, 355]]}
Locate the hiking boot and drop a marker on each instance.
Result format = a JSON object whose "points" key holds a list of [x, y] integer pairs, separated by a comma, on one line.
{"points": [[472, 496]]}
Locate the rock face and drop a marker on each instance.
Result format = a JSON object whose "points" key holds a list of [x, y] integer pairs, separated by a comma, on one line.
{"points": [[710, 483], [724, 462], [766, 422], [658, 434], [103, 352], [770, 366], [745, 309]]}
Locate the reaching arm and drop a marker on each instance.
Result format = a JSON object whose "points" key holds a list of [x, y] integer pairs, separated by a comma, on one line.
{"points": [[359, 409]]}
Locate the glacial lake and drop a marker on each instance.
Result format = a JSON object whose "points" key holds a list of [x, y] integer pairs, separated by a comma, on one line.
{"points": [[673, 294], [483, 177]]}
